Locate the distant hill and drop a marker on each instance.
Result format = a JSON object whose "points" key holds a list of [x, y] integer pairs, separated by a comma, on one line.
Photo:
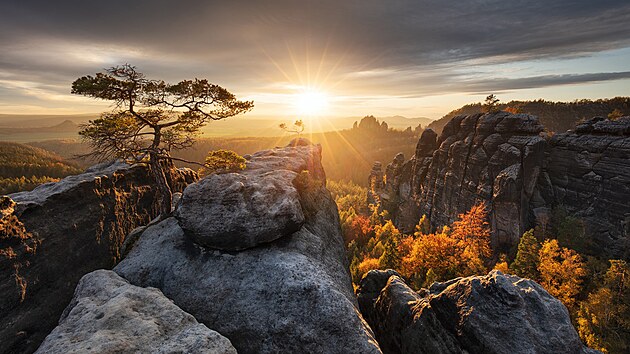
{"points": [[347, 154], [23, 167], [42, 120], [29, 128], [555, 116], [67, 126]]}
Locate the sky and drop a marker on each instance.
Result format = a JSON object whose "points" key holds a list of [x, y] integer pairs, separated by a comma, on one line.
{"points": [[344, 57]]}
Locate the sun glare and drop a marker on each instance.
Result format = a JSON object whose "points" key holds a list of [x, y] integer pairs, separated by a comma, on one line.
{"points": [[311, 102]]}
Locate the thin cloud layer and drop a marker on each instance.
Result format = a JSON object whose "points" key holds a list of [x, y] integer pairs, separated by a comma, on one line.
{"points": [[398, 47]]}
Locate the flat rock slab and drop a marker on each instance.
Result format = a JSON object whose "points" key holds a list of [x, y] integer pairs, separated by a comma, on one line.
{"points": [[109, 315]]}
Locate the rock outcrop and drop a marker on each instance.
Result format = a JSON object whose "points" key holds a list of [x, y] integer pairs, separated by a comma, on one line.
{"points": [[109, 315], [283, 291], [236, 211], [588, 172], [506, 161], [496, 313], [57, 233]]}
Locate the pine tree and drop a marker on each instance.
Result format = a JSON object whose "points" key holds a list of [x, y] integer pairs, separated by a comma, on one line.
{"points": [[151, 118], [525, 264]]}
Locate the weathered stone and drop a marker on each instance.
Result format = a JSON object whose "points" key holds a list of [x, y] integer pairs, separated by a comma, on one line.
{"points": [[109, 315], [496, 313], [235, 211], [426, 144], [290, 295], [589, 174], [375, 184], [70, 228], [502, 160], [600, 125]]}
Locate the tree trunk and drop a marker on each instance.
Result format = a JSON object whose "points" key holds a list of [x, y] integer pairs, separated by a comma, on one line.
{"points": [[164, 190]]}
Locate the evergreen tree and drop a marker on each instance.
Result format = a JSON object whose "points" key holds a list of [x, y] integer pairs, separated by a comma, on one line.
{"points": [[151, 118], [490, 104], [525, 264]]}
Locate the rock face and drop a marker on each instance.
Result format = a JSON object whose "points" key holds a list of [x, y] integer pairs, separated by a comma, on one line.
{"points": [[588, 171], [502, 159], [291, 293], [495, 313], [57, 233], [109, 315]]}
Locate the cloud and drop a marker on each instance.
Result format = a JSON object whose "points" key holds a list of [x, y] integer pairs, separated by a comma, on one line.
{"points": [[398, 47], [507, 84]]}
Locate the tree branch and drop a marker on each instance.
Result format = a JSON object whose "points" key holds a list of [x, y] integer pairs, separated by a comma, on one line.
{"points": [[182, 160]]}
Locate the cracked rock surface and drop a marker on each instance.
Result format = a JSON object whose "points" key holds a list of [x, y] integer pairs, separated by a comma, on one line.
{"points": [[287, 291]]}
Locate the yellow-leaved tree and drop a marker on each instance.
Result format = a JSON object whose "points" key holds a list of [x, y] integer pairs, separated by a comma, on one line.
{"points": [[604, 318], [562, 272]]}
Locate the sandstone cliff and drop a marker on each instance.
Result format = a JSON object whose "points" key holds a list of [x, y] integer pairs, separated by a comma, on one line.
{"points": [[507, 161], [254, 261], [51, 236], [588, 171]]}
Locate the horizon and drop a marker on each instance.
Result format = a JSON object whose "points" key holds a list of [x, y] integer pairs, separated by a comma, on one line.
{"points": [[322, 59]]}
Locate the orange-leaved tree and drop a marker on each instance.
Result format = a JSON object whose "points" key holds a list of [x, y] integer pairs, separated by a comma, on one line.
{"points": [[562, 272], [472, 231], [460, 250]]}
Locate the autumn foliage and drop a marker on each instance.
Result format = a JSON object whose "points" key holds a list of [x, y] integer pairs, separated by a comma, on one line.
{"points": [[374, 242], [596, 295]]}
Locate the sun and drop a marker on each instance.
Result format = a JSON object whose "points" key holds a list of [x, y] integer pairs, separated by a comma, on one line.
{"points": [[311, 102]]}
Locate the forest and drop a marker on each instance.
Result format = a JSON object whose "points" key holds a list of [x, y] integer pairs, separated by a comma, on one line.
{"points": [[23, 167], [595, 291], [555, 116]]}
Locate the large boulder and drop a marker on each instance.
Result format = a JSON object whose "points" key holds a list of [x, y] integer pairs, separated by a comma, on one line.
{"points": [[58, 232], [241, 210], [291, 294], [109, 315], [495, 313]]}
